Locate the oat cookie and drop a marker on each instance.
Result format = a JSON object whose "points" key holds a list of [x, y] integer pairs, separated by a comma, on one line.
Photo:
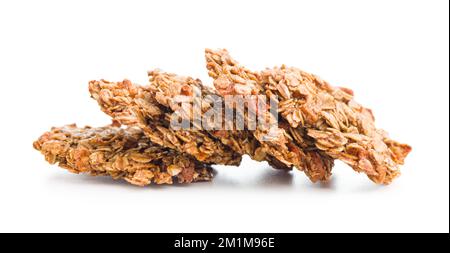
{"points": [[120, 153]]}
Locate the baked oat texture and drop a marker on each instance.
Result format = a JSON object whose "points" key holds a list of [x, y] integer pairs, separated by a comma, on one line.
{"points": [[133, 105], [286, 143], [169, 89], [119, 153], [315, 124], [326, 117]]}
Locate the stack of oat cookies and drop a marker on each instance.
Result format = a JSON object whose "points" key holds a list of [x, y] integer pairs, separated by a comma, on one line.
{"points": [[174, 128]]}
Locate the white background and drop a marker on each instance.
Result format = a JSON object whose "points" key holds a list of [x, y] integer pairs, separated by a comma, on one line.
{"points": [[394, 54]]}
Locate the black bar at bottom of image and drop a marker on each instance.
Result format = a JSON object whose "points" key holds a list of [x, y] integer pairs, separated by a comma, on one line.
{"points": [[208, 242]]}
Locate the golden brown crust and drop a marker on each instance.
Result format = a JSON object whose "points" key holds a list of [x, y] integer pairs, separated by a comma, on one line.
{"points": [[323, 117], [119, 153], [286, 144], [340, 127], [131, 104], [168, 88]]}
